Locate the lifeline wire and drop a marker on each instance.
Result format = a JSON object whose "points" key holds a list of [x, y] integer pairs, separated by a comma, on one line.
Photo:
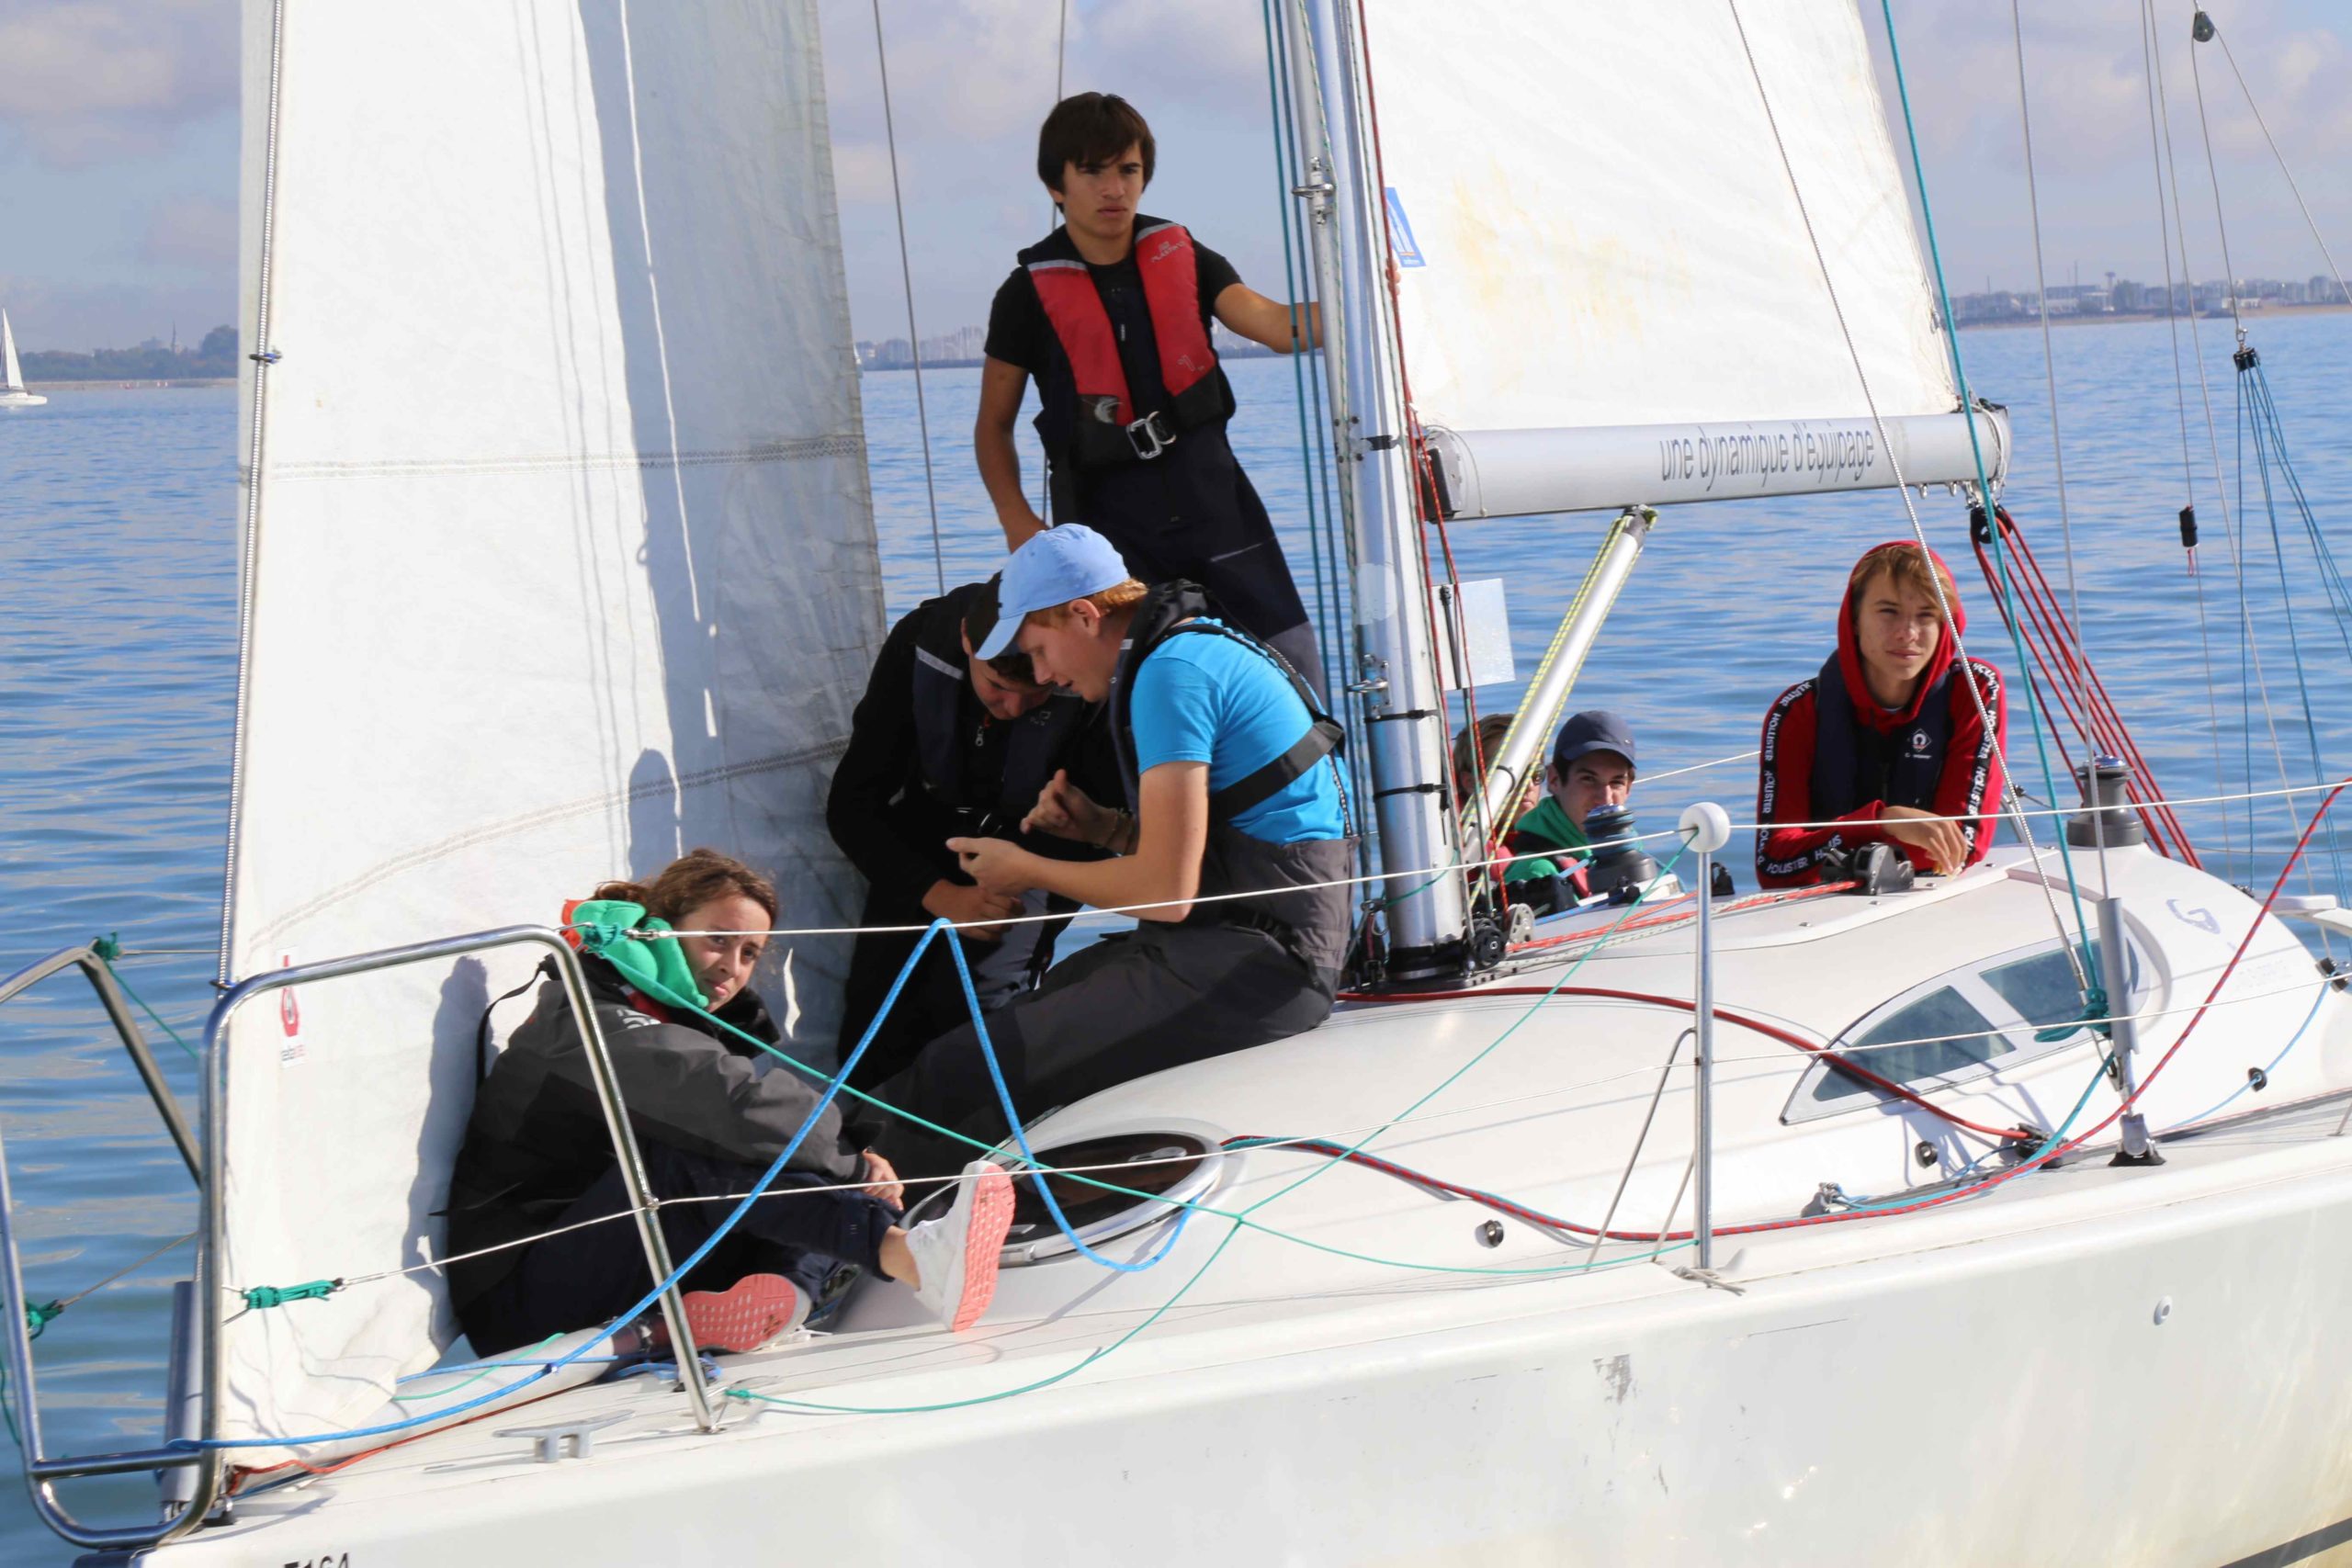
{"points": [[833, 1089], [2287, 793]]}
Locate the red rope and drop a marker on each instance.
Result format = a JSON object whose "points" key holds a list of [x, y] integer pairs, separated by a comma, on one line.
{"points": [[2068, 672], [1681, 1004], [1801, 1222]]}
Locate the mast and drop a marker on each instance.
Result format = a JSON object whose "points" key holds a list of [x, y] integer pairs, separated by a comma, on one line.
{"points": [[1395, 673]]}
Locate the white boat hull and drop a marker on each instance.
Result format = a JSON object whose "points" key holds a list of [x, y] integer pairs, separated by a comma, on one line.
{"points": [[2141, 1366]]}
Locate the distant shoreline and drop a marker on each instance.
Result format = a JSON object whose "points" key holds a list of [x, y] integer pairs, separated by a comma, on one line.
{"points": [[2117, 318], [976, 363], [126, 384]]}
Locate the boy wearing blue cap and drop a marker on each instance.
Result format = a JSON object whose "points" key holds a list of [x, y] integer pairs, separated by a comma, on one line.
{"points": [[1591, 767], [1230, 846]]}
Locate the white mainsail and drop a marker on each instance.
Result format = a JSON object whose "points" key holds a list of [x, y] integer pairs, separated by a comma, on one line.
{"points": [[562, 561], [1593, 315]]}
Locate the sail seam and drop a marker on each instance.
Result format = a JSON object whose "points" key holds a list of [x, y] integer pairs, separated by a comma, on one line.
{"points": [[813, 447], [428, 853]]}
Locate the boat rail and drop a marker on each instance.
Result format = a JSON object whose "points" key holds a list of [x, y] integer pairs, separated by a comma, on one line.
{"points": [[207, 1457], [41, 1469]]}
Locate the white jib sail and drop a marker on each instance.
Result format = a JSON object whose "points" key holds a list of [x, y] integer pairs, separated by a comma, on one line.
{"points": [[1607, 291], [12, 375], [565, 564]]}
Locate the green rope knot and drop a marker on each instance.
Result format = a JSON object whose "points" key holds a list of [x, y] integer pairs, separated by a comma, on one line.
{"points": [[260, 1298], [108, 947], [2093, 1017], [38, 1317]]}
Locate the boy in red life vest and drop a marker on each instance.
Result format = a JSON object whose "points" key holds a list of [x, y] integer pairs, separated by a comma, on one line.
{"points": [[1888, 737], [1110, 313]]}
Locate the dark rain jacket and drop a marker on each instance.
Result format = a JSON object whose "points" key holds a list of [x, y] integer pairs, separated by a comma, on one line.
{"points": [[536, 1140]]}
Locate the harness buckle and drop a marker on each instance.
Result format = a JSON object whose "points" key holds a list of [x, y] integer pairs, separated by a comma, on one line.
{"points": [[1149, 437]]}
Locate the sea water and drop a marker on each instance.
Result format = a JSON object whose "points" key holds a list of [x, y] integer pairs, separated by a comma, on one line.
{"points": [[118, 665]]}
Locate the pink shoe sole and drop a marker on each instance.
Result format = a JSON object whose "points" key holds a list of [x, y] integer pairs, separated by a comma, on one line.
{"points": [[754, 1310], [991, 1218]]}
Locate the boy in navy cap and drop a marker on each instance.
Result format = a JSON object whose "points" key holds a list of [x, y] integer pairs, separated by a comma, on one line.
{"points": [[1230, 845], [1591, 767]]}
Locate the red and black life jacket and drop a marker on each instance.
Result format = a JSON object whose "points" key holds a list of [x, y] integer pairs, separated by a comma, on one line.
{"points": [[1854, 763], [1100, 417]]}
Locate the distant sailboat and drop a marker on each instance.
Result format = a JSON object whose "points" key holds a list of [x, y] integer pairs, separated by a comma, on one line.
{"points": [[12, 376]]}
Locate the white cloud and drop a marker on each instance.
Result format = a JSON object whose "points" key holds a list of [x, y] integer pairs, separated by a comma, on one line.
{"points": [[83, 82]]}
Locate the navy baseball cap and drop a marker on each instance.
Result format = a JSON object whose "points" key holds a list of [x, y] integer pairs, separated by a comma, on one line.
{"points": [[1052, 568], [1586, 733]]}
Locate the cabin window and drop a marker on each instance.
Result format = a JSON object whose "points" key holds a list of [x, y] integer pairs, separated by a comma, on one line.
{"points": [[1959, 1026], [1936, 1035]]}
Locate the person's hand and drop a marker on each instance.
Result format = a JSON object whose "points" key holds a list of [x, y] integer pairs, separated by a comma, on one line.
{"points": [[883, 1182], [1940, 844], [971, 908], [1068, 812], [1019, 530], [998, 866]]}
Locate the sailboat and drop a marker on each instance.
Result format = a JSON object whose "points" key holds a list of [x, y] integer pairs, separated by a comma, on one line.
{"points": [[1578, 1242], [12, 375]]}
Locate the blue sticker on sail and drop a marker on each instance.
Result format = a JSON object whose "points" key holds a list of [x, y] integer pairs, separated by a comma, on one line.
{"points": [[1401, 232]]}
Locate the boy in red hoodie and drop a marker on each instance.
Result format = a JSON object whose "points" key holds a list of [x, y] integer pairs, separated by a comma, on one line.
{"points": [[1887, 738]]}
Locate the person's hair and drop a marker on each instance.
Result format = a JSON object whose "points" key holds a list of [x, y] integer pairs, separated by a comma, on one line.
{"points": [[1014, 668], [1912, 569], [1466, 763], [1120, 595], [693, 879], [1091, 128]]}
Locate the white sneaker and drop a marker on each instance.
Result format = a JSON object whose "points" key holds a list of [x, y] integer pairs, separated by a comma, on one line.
{"points": [[956, 1255]]}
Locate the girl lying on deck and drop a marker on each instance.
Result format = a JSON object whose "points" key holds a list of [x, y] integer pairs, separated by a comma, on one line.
{"points": [[710, 1116]]}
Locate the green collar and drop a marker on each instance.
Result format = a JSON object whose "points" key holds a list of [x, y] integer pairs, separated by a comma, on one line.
{"points": [[656, 965]]}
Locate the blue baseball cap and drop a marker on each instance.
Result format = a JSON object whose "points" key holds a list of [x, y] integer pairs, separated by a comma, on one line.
{"points": [[1597, 731], [1053, 568]]}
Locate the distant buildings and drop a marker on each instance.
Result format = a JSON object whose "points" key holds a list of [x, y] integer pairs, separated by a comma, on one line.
{"points": [[2129, 297], [969, 346]]}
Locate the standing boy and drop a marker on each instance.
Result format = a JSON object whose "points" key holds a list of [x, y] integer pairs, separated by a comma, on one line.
{"points": [[1110, 313]]}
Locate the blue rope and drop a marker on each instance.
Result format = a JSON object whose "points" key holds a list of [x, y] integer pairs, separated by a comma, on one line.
{"points": [[2094, 991], [2259, 414], [1020, 1136], [2269, 1068], [734, 1216]]}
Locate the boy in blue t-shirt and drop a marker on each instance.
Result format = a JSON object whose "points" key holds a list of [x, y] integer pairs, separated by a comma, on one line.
{"points": [[1230, 849]]}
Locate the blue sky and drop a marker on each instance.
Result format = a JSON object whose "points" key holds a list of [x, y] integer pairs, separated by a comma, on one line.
{"points": [[118, 143]]}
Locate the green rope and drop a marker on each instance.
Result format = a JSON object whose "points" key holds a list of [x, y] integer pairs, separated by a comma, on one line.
{"points": [[40, 1317], [1245, 1220], [109, 948], [2094, 993], [487, 1368], [261, 1298]]}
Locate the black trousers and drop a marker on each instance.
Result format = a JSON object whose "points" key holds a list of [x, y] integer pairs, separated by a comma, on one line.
{"points": [[1128, 1006], [583, 1277], [1192, 513], [931, 1002]]}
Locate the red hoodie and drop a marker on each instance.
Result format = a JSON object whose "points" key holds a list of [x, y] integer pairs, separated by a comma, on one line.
{"points": [[1970, 784]]}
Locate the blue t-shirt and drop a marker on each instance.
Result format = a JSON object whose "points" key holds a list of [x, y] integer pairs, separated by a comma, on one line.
{"points": [[1201, 697]]}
